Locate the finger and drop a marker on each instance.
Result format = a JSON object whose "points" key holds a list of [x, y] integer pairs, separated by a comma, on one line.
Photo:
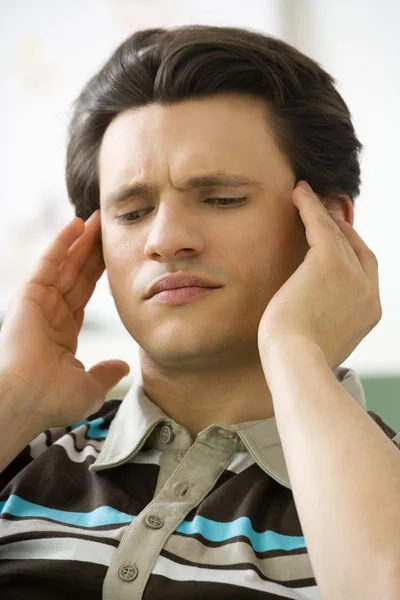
{"points": [[365, 255], [79, 316], [85, 251], [342, 234], [79, 295], [108, 373], [321, 229], [80, 285], [91, 270], [47, 267]]}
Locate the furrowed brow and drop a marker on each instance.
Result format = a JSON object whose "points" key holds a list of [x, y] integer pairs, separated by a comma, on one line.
{"points": [[212, 180]]}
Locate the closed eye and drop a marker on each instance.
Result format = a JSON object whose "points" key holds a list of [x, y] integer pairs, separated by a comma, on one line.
{"points": [[232, 202]]}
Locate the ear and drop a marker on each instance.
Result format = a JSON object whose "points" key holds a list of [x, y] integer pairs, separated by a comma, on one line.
{"points": [[341, 207]]}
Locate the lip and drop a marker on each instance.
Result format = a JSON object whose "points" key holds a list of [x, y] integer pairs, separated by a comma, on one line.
{"points": [[180, 295], [174, 281]]}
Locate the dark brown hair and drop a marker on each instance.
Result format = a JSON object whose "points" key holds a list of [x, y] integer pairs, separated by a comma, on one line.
{"points": [[308, 118]]}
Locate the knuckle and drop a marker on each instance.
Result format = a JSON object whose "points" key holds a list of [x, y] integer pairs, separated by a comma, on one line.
{"points": [[31, 291]]}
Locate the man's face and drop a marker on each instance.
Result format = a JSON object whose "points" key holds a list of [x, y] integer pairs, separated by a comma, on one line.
{"points": [[249, 248]]}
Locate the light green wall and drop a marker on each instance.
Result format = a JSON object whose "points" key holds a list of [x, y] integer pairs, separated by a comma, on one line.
{"points": [[382, 395]]}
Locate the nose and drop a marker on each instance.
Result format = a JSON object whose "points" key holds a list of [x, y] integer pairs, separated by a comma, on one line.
{"points": [[175, 231]]}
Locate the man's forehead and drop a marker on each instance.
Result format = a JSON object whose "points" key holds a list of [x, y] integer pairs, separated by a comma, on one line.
{"points": [[133, 162]]}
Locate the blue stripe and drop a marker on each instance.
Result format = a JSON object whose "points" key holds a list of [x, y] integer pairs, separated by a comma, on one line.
{"points": [[104, 515], [213, 531], [94, 430]]}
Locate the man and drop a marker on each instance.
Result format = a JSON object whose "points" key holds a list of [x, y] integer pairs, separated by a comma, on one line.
{"points": [[242, 463]]}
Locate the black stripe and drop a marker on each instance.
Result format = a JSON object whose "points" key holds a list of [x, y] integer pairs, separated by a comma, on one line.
{"points": [[238, 567], [39, 535], [38, 520]]}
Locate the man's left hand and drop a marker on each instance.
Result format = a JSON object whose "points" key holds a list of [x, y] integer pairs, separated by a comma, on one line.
{"points": [[332, 299]]}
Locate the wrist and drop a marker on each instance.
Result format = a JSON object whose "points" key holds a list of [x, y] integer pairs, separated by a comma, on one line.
{"points": [[20, 401], [289, 351]]}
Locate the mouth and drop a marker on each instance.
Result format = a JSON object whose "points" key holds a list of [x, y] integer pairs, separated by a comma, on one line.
{"points": [[181, 295]]}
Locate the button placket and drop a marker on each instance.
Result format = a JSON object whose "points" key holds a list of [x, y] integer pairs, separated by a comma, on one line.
{"points": [[202, 466], [170, 457]]}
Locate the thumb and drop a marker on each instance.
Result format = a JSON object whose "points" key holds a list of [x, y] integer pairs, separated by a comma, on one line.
{"points": [[108, 373]]}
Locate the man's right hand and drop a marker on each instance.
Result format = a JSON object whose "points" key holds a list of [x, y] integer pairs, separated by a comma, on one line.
{"points": [[39, 336]]}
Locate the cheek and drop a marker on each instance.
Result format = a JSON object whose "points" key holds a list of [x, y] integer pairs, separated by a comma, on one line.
{"points": [[257, 264], [117, 245], [119, 259], [271, 254]]}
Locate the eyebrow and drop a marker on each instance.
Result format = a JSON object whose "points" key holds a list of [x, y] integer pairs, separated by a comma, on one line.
{"points": [[211, 180]]}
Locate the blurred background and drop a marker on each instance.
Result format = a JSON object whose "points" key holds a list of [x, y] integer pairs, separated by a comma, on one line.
{"points": [[50, 48]]}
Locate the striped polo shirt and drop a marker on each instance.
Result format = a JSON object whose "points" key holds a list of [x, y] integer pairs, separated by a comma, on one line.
{"points": [[124, 505]]}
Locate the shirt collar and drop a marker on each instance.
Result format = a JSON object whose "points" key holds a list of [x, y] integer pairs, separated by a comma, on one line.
{"points": [[137, 418]]}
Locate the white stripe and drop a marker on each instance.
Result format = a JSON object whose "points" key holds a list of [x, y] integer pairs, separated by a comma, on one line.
{"points": [[59, 549], [38, 526], [76, 456], [103, 554], [244, 578], [278, 568], [38, 446], [240, 461]]}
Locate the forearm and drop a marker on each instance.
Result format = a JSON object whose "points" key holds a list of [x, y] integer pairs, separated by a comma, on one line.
{"points": [[345, 475]]}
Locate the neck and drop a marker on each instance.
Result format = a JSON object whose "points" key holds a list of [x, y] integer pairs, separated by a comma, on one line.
{"points": [[197, 398]]}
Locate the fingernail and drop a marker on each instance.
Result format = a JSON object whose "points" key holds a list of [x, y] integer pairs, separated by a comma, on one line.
{"points": [[307, 189]]}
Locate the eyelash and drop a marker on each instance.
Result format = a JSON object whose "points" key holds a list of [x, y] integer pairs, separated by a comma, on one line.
{"points": [[236, 201]]}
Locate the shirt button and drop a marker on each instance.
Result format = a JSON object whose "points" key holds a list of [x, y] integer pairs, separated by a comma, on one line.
{"points": [[128, 572], [225, 434], [166, 434], [154, 522]]}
